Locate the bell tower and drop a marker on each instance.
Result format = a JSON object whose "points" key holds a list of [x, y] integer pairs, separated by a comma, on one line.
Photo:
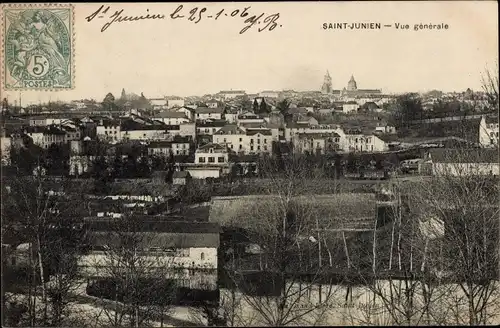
{"points": [[351, 85], [327, 84]]}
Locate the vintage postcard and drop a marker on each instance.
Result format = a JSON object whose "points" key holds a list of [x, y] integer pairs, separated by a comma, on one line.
{"points": [[250, 163]]}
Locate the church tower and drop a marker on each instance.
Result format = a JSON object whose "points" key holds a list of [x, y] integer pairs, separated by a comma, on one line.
{"points": [[327, 84], [351, 85]]}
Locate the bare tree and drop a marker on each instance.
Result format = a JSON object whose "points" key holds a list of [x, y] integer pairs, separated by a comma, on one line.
{"points": [[131, 268], [463, 197], [43, 214], [490, 86], [288, 247]]}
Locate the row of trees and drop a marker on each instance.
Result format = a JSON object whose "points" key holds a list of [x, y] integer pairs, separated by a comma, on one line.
{"points": [[434, 262], [131, 100]]}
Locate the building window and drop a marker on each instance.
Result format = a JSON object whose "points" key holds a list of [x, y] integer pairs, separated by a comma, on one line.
{"points": [[251, 147], [251, 141], [258, 141], [241, 146], [317, 144], [265, 147], [258, 147], [211, 159], [221, 160], [201, 159], [241, 139], [265, 140], [224, 140], [202, 256]]}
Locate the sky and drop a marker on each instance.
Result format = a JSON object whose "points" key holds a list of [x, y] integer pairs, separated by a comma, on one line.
{"points": [[179, 57]]}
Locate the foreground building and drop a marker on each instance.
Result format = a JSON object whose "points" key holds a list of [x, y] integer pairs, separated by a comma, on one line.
{"points": [[459, 162], [184, 252]]}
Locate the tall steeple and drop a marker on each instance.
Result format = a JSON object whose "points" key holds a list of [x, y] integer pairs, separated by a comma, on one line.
{"points": [[327, 84], [351, 85]]}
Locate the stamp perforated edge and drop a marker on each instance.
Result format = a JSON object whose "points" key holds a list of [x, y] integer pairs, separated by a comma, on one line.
{"points": [[2, 40]]}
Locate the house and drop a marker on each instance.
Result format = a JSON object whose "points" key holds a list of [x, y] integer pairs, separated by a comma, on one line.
{"points": [[209, 127], [212, 103], [44, 120], [304, 119], [184, 251], [131, 130], [249, 117], [269, 94], [72, 132], [370, 106], [231, 136], [44, 136], [230, 94], [350, 107], [181, 178], [211, 154], [160, 148], [385, 128], [317, 143], [181, 145], [488, 131], [205, 113], [84, 153], [158, 103], [231, 115], [108, 129], [173, 102], [260, 141], [211, 161], [294, 128], [172, 117], [460, 162], [357, 141], [298, 111], [188, 111]]}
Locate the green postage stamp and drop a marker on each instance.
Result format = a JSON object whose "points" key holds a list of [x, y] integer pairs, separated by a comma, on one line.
{"points": [[37, 47]]}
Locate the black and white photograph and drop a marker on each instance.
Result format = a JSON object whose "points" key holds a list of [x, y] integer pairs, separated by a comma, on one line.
{"points": [[250, 164]]}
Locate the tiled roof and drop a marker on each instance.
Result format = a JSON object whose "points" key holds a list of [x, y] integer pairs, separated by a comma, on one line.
{"points": [[253, 132], [332, 210], [160, 144], [451, 155], [232, 91], [211, 145], [163, 234], [319, 135], [230, 129], [171, 114], [130, 125], [211, 124], [208, 110], [181, 139]]}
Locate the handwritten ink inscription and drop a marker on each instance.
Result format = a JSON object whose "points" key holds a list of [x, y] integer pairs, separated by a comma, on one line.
{"points": [[195, 14]]}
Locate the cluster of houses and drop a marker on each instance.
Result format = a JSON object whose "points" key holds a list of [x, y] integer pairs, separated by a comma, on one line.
{"points": [[211, 134]]}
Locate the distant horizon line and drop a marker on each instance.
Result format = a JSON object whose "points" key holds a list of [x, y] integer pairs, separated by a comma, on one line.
{"points": [[245, 91]]}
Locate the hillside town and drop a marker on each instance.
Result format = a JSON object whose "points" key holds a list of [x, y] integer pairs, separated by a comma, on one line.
{"points": [[341, 206]]}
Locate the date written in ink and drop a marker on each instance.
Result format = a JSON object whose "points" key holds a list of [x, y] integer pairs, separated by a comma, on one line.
{"points": [[261, 22], [197, 14]]}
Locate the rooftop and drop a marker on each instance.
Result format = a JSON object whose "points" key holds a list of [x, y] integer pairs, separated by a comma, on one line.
{"points": [[477, 155], [208, 110], [171, 114]]}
